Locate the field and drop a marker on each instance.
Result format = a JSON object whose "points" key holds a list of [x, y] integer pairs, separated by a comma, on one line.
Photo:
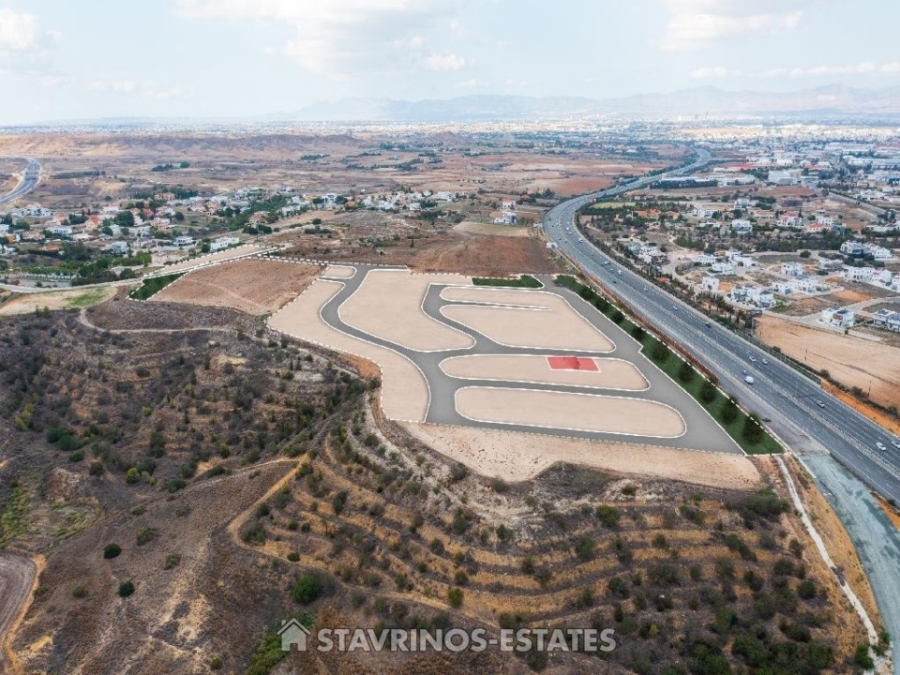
{"points": [[252, 286], [76, 298], [852, 361]]}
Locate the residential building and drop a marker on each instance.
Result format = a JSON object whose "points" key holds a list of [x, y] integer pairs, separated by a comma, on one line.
{"points": [[885, 318], [853, 248], [839, 318], [792, 269], [722, 268], [865, 274], [709, 284], [184, 242], [741, 226], [223, 242]]}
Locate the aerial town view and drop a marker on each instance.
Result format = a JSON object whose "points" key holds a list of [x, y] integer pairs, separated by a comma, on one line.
{"points": [[397, 337]]}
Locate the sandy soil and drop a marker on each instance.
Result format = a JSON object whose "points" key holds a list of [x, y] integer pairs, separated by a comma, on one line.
{"points": [[556, 327], [471, 227], [404, 392], [389, 305], [517, 456], [889, 422], [219, 257], [16, 579], [252, 286], [493, 295], [852, 361], [583, 412], [68, 299], [613, 373]]}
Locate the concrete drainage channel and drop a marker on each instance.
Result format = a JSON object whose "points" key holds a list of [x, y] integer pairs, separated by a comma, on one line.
{"points": [[876, 539]]}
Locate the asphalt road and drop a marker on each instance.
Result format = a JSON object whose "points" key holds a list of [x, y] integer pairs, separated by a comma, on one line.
{"points": [[16, 575], [28, 182], [818, 435], [779, 392], [702, 432]]}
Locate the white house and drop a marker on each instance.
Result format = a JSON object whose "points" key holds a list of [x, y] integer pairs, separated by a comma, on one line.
{"points": [[790, 219], [879, 253], [704, 259], [722, 268], [808, 284], [885, 318], [184, 242], [839, 318], [854, 248], [741, 226], [222, 243], [792, 269], [709, 284], [865, 274], [59, 230], [117, 248], [753, 295], [783, 287]]}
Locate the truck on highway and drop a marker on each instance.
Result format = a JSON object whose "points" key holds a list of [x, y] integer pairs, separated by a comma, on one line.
{"points": [[749, 379]]}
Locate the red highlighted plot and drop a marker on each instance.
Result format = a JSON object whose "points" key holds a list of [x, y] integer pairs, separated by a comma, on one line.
{"points": [[572, 363]]}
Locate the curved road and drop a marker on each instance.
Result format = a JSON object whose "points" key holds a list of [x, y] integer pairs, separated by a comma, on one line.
{"points": [[27, 183], [819, 434]]}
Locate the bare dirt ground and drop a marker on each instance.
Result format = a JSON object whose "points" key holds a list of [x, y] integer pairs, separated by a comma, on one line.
{"points": [[218, 257], [582, 412], [389, 305], [69, 299], [854, 362], [612, 373], [889, 422], [489, 229], [253, 286], [557, 327], [515, 456]]}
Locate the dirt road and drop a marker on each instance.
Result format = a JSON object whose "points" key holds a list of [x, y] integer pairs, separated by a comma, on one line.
{"points": [[16, 578]]}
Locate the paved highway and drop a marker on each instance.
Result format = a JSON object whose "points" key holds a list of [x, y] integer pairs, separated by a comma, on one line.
{"points": [[779, 392], [28, 182]]}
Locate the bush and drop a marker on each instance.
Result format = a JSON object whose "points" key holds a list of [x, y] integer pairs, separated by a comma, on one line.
{"points": [[608, 515], [660, 352], [126, 588], [730, 411], [95, 469], [112, 551], [585, 548], [753, 431], [686, 372], [455, 597], [145, 536], [638, 333], [863, 658], [708, 392], [79, 592], [307, 589]]}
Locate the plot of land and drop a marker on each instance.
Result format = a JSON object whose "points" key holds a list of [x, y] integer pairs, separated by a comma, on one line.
{"points": [[388, 305], [69, 299], [557, 326], [573, 412], [516, 456], [607, 373], [470, 227], [404, 393], [852, 361], [253, 286]]}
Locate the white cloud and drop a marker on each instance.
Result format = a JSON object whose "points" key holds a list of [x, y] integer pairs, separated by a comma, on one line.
{"points": [[695, 24], [18, 32], [336, 37], [864, 68], [445, 62]]}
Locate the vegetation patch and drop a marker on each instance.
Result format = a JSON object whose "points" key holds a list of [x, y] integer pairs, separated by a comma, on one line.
{"points": [[524, 281], [151, 287]]}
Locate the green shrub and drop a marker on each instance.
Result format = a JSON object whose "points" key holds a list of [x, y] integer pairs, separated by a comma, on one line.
{"points": [[112, 551], [126, 588], [307, 589], [455, 597]]}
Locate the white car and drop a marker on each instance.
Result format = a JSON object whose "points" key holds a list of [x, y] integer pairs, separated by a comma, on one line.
{"points": [[896, 443], [881, 446]]}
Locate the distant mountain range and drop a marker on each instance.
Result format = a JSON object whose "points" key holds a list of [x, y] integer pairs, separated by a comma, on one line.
{"points": [[835, 100], [823, 103]]}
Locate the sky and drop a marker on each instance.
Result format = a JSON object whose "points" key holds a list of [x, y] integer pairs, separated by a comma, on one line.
{"points": [[96, 59]]}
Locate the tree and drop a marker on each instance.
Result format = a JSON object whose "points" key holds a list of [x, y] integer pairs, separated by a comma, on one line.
{"points": [[307, 589], [686, 372], [730, 411], [752, 432], [660, 352], [708, 392]]}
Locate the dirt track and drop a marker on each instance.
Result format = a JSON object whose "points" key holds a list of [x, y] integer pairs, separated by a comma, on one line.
{"points": [[16, 578]]}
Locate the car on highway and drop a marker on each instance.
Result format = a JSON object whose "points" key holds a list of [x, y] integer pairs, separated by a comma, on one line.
{"points": [[820, 403], [752, 359], [767, 419], [881, 446], [765, 362], [708, 324], [749, 379]]}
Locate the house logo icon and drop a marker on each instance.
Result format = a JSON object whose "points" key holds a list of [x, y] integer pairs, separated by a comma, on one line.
{"points": [[293, 634]]}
